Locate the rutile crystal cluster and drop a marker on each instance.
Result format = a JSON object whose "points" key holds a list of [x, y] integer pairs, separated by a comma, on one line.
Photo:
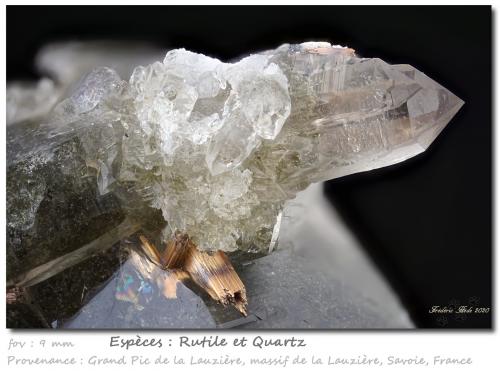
{"points": [[220, 147]]}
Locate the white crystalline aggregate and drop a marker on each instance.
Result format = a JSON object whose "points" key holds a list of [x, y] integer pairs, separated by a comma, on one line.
{"points": [[191, 97]]}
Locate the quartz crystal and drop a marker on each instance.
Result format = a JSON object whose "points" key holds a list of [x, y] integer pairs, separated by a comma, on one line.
{"points": [[219, 147]]}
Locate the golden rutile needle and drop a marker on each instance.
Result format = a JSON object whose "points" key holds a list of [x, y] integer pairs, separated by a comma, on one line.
{"points": [[213, 272]]}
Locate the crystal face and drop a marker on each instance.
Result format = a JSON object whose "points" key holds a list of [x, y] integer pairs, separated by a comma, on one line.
{"points": [[220, 147]]}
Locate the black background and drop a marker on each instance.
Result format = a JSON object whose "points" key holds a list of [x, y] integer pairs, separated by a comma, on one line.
{"points": [[427, 222]]}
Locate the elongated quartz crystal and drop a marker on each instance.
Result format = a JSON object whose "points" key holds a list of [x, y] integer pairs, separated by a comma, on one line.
{"points": [[220, 147]]}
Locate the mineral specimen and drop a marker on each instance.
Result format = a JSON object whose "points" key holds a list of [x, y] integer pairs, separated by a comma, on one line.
{"points": [[220, 147], [191, 147]]}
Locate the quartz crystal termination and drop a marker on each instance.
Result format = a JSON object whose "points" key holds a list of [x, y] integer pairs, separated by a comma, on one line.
{"points": [[220, 147]]}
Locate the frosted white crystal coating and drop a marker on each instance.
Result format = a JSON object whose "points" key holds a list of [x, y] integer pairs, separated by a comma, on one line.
{"points": [[220, 147]]}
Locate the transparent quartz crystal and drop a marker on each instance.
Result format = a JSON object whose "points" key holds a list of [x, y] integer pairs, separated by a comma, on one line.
{"points": [[220, 148]]}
